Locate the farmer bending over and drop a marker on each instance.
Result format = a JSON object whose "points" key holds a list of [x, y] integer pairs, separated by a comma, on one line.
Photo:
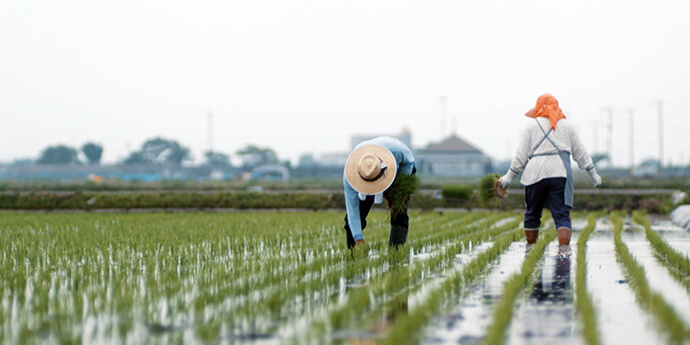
{"points": [[544, 152], [369, 171]]}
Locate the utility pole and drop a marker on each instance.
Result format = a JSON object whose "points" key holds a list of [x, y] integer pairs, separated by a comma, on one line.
{"points": [[609, 144], [443, 117], [596, 137], [632, 142], [210, 131], [661, 136]]}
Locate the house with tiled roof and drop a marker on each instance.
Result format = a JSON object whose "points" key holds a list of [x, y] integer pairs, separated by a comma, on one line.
{"points": [[452, 157]]}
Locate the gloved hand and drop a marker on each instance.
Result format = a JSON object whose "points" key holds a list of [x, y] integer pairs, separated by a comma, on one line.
{"points": [[595, 177], [507, 179]]}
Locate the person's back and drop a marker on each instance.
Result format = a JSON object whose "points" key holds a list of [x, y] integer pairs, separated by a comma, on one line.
{"points": [[546, 146], [543, 164]]}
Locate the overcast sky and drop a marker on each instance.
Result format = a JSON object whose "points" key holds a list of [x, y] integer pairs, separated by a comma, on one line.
{"points": [[304, 76]]}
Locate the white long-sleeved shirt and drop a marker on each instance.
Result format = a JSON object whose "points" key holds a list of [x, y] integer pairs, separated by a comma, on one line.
{"points": [[541, 167]]}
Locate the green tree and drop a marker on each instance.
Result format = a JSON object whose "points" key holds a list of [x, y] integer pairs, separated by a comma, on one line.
{"points": [[161, 151], [59, 154], [253, 156], [216, 158], [93, 152]]}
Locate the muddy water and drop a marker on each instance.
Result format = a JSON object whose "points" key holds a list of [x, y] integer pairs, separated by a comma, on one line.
{"points": [[545, 312], [657, 275], [620, 319], [467, 323]]}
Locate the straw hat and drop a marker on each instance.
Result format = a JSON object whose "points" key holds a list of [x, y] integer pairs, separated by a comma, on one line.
{"points": [[370, 169]]}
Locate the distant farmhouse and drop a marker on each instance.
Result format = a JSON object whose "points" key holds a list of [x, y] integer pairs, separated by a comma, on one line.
{"points": [[452, 157]]}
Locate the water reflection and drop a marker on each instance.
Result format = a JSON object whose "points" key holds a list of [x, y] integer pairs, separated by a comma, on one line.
{"points": [[557, 289], [548, 314]]}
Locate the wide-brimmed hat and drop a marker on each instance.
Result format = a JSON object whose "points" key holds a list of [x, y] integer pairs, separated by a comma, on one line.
{"points": [[370, 169], [547, 106]]}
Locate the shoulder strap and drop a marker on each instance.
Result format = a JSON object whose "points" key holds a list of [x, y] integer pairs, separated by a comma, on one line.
{"points": [[546, 136]]}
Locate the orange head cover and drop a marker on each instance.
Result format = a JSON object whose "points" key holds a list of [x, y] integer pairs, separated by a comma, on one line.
{"points": [[547, 106]]}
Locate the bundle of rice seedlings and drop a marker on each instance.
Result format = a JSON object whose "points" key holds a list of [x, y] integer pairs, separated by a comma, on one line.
{"points": [[400, 191], [490, 190]]}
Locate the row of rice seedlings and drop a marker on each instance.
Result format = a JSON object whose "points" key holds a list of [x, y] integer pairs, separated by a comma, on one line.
{"points": [[188, 272], [439, 262], [583, 301], [285, 295], [503, 311], [187, 278], [677, 331], [406, 327], [384, 288], [677, 263]]}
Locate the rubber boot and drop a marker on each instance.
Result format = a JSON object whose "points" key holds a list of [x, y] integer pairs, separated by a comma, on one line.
{"points": [[531, 235], [564, 236], [398, 235]]}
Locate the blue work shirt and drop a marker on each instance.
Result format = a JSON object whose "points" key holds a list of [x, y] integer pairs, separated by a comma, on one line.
{"points": [[405, 161]]}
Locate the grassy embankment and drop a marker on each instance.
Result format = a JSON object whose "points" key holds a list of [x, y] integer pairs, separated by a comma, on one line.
{"points": [[458, 198]]}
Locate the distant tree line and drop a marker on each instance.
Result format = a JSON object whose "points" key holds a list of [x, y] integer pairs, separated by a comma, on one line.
{"points": [[155, 151]]}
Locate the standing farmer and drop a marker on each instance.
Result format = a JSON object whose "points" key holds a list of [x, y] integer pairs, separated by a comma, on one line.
{"points": [[369, 171], [544, 152]]}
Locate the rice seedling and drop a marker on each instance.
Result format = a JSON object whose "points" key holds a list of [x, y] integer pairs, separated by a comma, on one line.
{"points": [[399, 193], [677, 263], [382, 291], [583, 300], [668, 320], [503, 312], [487, 190], [406, 327]]}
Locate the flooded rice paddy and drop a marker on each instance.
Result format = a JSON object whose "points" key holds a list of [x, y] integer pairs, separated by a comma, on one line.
{"points": [[288, 278]]}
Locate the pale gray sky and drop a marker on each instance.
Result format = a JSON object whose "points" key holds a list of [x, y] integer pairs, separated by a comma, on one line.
{"points": [[303, 76]]}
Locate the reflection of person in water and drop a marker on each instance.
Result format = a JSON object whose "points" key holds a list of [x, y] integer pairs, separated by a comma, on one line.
{"points": [[560, 283]]}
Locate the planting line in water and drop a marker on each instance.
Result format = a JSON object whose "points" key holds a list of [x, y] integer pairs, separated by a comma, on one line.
{"points": [[406, 327], [544, 311], [620, 319], [658, 276], [387, 289], [324, 288], [504, 310], [677, 263], [288, 330], [668, 321], [583, 300]]}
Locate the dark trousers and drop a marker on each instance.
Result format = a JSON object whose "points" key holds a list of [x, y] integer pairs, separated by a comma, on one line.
{"points": [[549, 190], [401, 220]]}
